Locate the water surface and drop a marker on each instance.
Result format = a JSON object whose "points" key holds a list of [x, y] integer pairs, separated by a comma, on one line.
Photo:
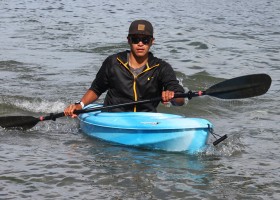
{"points": [[50, 52]]}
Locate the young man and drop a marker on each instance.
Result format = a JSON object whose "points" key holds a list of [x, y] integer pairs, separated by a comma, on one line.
{"points": [[133, 76]]}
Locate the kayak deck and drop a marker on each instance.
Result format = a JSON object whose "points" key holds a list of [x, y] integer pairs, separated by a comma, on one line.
{"points": [[159, 131]]}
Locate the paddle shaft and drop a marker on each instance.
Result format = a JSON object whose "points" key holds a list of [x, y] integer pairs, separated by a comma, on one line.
{"points": [[77, 112]]}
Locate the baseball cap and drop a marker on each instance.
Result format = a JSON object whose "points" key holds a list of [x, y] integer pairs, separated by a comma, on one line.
{"points": [[142, 27]]}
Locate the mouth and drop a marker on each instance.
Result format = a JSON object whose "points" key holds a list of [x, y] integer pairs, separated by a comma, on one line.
{"points": [[140, 50]]}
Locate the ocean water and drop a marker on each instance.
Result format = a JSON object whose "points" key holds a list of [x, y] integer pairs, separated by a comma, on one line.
{"points": [[50, 52]]}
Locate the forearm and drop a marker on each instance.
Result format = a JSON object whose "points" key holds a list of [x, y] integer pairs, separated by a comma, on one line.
{"points": [[89, 97]]}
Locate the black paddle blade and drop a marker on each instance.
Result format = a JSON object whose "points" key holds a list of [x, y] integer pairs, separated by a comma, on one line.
{"points": [[241, 87], [18, 122]]}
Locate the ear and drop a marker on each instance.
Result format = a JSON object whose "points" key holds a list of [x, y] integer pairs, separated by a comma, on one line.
{"points": [[128, 40], [153, 41]]}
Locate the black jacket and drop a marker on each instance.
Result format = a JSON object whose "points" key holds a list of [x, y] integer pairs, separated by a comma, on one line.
{"points": [[116, 77]]}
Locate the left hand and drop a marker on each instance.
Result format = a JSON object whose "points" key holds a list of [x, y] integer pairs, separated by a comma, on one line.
{"points": [[166, 96]]}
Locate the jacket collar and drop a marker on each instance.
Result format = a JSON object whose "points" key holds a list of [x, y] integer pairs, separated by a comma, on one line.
{"points": [[122, 57]]}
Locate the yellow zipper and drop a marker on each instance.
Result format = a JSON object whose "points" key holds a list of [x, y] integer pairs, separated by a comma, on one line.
{"points": [[135, 77]]}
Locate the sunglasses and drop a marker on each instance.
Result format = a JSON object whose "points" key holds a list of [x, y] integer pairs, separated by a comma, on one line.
{"points": [[136, 40]]}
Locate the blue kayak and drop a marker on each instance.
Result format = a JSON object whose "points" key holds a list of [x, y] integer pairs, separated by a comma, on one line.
{"points": [[147, 130]]}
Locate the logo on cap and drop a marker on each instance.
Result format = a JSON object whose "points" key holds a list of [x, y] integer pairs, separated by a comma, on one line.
{"points": [[141, 27]]}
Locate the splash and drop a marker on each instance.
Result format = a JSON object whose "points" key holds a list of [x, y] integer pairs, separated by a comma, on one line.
{"points": [[41, 106], [229, 147], [16, 103]]}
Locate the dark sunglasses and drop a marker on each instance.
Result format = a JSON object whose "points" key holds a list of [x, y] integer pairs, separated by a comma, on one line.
{"points": [[136, 40]]}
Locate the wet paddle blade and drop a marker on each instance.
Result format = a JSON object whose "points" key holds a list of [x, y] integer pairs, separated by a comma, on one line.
{"points": [[18, 122], [241, 87]]}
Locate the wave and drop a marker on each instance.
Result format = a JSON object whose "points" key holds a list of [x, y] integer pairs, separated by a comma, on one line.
{"points": [[22, 104]]}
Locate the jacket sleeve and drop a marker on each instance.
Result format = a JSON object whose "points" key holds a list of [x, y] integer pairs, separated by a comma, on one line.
{"points": [[100, 84], [169, 79]]}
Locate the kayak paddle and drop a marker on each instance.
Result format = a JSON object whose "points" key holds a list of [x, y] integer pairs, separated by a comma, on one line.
{"points": [[236, 88]]}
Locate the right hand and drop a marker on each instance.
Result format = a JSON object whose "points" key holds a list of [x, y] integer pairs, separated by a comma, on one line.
{"points": [[69, 111]]}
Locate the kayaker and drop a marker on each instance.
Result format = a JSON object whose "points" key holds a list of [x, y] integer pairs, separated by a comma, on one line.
{"points": [[133, 75]]}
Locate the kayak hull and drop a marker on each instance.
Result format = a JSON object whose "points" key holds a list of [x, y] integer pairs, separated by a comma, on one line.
{"points": [[157, 131]]}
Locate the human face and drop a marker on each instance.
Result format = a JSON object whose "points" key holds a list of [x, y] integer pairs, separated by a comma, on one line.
{"points": [[140, 44]]}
